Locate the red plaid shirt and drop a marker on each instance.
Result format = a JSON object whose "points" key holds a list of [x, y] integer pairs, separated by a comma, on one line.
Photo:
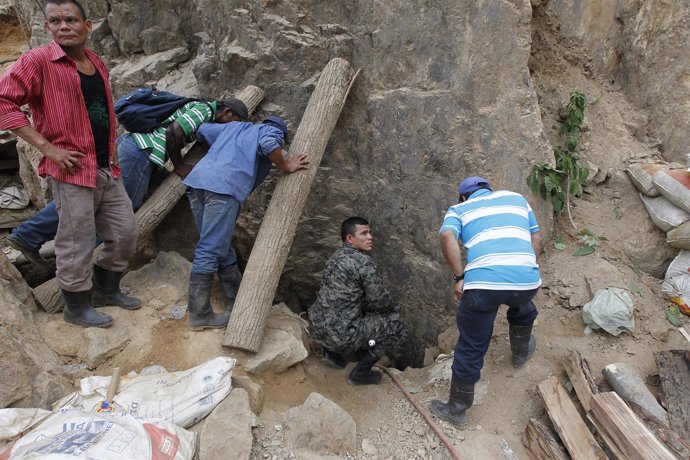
{"points": [[46, 79]]}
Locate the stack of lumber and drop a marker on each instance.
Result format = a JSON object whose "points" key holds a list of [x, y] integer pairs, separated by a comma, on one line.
{"points": [[605, 426]]}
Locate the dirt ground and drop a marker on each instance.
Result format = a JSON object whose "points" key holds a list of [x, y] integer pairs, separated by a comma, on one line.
{"points": [[387, 425]]}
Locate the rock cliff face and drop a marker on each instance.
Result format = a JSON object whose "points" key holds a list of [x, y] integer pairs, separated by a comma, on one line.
{"points": [[445, 92]]}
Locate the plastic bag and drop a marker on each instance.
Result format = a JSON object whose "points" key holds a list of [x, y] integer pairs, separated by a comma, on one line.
{"points": [[13, 197], [67, 434], [611, 309], [677, 290], [183, 397]]}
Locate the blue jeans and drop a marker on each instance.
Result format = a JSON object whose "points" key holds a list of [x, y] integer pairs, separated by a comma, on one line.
{"points": [[136, 173], [215, 215], [475, 319]]}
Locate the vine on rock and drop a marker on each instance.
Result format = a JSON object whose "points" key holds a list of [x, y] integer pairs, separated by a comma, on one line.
{"points": [[567, 176]]}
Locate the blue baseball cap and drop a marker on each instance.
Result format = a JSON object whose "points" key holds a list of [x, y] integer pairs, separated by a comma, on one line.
{"points": [[472, 184], [279, 123]]}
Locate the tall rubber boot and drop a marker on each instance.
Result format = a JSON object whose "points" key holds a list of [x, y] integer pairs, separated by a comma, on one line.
{"points": [[79, 311], [522, 344], [230, 278], [106, 290], [201, 315], [460, 399], [362, 374]]}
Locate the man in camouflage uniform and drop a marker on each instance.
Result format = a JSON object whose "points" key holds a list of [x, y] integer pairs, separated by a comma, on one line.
{"points": [[353, 312]]}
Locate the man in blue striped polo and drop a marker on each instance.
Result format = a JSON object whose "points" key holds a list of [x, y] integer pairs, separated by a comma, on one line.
{"points": [[502, 239]]}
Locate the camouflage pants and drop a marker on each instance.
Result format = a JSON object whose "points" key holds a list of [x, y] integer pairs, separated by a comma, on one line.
{"points": [[388, 330]]}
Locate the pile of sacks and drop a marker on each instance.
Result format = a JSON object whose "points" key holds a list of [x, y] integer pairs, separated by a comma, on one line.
{"points": [[665, 193]]}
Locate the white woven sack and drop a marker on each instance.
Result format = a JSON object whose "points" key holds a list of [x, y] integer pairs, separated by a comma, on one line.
{"points": [[642, 179], [674, 191], [679, 266], [663, 213], [679, 237]]}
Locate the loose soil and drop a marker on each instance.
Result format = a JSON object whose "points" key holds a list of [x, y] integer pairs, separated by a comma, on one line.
{"points": [[387, 425]]}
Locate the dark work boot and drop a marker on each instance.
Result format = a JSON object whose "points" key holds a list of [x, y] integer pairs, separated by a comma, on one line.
{"points": [[333, 359], [201, 315], [31, 254], [362, 374], [522, 344], [79, 311], [460, 399], [230, 278], [106, 290]]}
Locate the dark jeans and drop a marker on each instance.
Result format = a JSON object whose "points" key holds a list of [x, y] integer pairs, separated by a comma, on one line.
{"points": [[136, 173], [475, 319]]}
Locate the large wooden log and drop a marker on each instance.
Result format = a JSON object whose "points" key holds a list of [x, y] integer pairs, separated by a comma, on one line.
{"points": [[568, 423], [270, 251], [154, 209], [169, 192], [632, 438]]}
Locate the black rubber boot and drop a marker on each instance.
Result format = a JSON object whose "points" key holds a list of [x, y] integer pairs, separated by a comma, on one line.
{"points": [[333, 359], [230, 278], [106, 290], [362, 374], [201, 315], [79, 311], [460, 399], [522, 344]]}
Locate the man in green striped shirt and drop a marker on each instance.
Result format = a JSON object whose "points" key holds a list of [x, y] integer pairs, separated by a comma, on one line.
{"points": [[178, 129]]}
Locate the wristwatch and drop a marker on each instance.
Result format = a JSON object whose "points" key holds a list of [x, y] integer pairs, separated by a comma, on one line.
{"points": [[457, 278]]}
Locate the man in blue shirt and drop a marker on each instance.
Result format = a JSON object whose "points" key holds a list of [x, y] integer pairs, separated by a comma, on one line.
{"points": [[238, 160], [502, 239]]}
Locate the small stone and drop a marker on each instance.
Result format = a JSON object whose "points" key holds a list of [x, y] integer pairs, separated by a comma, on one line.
{"points": [[419, 430], [278, 427], [368, 447]]}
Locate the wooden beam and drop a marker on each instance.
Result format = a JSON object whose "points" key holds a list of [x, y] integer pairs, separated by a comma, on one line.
{"points": [[580, 376], [270, 251], [672, 440], [154, 210], [541, 442], [569, 425], [674, 370], [632, 437]]}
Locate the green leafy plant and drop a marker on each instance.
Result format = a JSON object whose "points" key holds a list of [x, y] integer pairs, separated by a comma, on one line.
{"points": [[566, 178], [558, 243], [589, 242]]}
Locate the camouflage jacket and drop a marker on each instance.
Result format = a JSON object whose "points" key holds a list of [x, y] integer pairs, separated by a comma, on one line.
{"points": [[351, 286]]}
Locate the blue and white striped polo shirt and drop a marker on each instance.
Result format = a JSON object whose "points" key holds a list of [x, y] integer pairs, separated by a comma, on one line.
{"points": [[496, 229]]}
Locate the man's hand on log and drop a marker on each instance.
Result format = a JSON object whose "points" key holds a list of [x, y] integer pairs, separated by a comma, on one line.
{"points": [[294, 163]]}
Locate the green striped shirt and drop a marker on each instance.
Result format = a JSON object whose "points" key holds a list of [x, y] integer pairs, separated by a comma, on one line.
{"points": [[190, 116]]}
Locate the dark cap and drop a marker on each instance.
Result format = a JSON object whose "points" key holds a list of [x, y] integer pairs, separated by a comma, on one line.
{"points": [[472, 184], [237, 107], [279, 123]]}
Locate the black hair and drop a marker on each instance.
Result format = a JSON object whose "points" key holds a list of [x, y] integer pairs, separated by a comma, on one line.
{"points": [[350, 225], [79, 6]]}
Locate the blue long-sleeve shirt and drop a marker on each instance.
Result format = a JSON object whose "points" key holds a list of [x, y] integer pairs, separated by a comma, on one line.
{"points": [[237, 159]]}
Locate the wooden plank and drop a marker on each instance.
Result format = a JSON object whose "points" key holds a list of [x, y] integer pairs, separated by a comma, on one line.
{"points": [[620, 424], [615, 452], [685, 330], [272, 245], [541, 442], [581, 377], [674, 371], [570, 427], [672, 440]]}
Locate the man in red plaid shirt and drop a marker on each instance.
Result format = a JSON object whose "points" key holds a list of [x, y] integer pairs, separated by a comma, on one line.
{"points": [[66, 87]]}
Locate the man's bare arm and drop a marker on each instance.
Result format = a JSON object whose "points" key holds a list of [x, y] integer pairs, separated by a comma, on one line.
{"points": [[65, 159], [536, 243]]}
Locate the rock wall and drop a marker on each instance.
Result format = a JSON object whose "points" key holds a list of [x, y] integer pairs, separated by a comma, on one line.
{"points": [[444, 92], [644, 46]]}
